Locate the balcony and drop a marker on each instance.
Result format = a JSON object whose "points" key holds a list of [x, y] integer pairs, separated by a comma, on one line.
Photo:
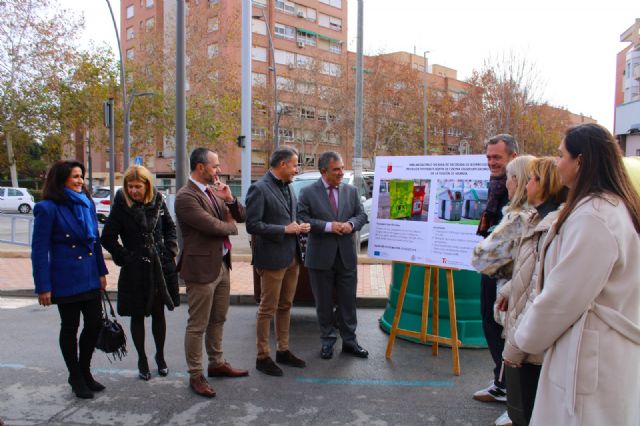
{"points": [[627, 117]]}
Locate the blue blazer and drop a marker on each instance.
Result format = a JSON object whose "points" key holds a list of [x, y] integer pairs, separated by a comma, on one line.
{"points": [[64, 263]]}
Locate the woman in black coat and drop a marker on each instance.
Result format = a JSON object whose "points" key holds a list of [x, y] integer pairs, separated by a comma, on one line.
{"points": [[148, 281]]}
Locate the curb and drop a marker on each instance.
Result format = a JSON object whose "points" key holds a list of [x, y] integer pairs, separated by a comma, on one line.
{"points": [[234, 299]]}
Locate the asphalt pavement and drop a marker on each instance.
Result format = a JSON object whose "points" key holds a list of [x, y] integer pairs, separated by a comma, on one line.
{"points": [[413, 388]]}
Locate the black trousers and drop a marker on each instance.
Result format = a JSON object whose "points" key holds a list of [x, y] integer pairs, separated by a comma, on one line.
{"points": [[492, 330], [522, 384], [91, 310]]}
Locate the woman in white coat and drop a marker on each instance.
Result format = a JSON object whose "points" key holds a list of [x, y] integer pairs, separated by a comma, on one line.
{"points": [[587, 314]]}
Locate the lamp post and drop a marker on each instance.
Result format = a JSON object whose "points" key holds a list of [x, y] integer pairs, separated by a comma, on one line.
{"points": [[127, 128], [425, 103], [123, 82], [276, 106]]}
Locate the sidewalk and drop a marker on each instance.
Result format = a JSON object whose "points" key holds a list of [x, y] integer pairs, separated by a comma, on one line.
{"points": [[373, 279]]}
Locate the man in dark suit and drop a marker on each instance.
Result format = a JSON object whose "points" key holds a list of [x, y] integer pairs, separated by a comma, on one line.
{"points": [[206, 216], [271, 218], [334, 211]]}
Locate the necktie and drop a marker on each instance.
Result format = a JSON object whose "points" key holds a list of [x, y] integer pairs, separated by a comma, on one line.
{"points": [[332, 200], [226, 242]]}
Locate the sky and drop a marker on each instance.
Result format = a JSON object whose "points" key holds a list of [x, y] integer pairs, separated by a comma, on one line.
{"points": [[572, 43]]}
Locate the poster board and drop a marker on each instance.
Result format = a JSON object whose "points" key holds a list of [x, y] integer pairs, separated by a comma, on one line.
{"points": [[426, 209]]}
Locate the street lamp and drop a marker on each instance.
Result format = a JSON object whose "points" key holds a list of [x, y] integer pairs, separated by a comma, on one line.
{"points": [[276, 107], [425, 102], [127, 115]]}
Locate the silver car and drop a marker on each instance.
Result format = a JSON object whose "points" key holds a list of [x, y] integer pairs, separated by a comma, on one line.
{"points": [[16, 199]]}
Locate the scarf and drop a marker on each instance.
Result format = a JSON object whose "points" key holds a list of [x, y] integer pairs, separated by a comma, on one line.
{"points": [[81, 208], [497, 198]]}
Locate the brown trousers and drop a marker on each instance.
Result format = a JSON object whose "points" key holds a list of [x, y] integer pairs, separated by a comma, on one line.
{"points": [[208, 306], [278, 287]]}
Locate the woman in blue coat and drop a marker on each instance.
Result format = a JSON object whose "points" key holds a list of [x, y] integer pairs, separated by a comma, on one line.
{"points": [[68, 268]]}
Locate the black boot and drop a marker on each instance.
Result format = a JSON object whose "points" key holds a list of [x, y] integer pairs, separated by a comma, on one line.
{"points": [[143, 369], [79, 387], [163, 370], [92, 384]]}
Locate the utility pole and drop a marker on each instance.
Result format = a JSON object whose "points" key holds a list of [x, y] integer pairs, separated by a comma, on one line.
{"points": [[123, 83], [109, 122], [181, 101], [13, 169], [245, 131], [89, 164], [272, 68], [357, 143]]}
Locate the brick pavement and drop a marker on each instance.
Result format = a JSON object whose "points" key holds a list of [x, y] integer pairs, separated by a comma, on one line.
{"points": [[373, 279]]}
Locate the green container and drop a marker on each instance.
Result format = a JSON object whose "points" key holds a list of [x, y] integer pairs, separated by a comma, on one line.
{"points": [[467, 294]]}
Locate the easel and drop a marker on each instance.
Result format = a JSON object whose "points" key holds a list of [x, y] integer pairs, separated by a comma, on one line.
{"points": [[422, 335]]}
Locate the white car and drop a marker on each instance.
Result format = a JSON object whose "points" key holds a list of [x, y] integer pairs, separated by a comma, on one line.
{"points": [[364, 186], [102, 199], [16, 199]]}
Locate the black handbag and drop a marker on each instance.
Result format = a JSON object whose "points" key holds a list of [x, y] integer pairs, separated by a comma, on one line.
{"points": [[111, 339]]}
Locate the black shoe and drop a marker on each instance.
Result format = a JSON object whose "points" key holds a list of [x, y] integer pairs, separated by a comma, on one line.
{"points": [[163, 370], [355, 350], [143, 369], [80, 388], [268, 367], [287, 358], [92, 384], [326, 352]]}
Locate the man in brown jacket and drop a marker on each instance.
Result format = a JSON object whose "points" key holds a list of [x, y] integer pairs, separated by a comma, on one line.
{"points": [[207, 213]]}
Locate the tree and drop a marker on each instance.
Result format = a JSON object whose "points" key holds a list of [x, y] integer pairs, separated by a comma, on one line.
{"points": [[35, 44]]}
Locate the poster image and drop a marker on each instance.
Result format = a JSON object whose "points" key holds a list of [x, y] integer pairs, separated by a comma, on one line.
{"points": [[461, 201], [404, 199], [428, 209]]}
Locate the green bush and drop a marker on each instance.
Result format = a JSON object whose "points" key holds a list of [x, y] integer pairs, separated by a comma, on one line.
{"points": [[37, 194]]}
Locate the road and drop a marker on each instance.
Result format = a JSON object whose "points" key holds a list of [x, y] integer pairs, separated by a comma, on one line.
{"points": [[413, 388]]}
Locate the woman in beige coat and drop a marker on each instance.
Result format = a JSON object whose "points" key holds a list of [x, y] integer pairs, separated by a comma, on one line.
{"points": [[587, 312]]}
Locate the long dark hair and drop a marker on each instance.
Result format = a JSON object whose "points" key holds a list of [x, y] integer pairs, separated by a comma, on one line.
{"points": [[53, 188], [601, 171]]}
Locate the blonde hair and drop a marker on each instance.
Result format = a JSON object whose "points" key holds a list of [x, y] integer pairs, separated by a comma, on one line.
{"points": [[546, 173], [142, 174], [518, 168]]}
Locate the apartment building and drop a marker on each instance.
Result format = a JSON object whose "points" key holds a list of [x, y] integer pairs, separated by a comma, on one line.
{"points": [[627, 97]]}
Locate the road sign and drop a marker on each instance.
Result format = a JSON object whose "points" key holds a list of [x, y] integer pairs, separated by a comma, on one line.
{"points": [[137, 161]]}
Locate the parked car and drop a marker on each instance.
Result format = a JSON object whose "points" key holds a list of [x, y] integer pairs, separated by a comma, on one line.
{"points": [[102, 199], [304, 295], [16, 199]]}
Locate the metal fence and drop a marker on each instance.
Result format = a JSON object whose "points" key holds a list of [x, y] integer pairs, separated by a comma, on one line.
{"points": [[16, 229]]}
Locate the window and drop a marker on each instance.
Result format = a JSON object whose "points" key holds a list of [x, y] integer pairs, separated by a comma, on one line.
{"points": [[260, 3], [258, 26], [258, 158], [311, 14], [334, 3], [637, 152], [260, 106], [287, 109], [130, 54], [304, 135], [330, 138], [306, 38], [309, 160], [212, 50], [15, 193], [130, 33], [284, 83], [284, 31], [305, 88], [151, 22], [303, 61], [329, 68], [285, 134], [324, 115], [284, 58], [286, 6], [305, 12], [258, 133], [259, 54], [326, 92], [213, 24], [331, 46], [259, 80], [130, 11], [306, 112], [330, 22], [149, 3]]}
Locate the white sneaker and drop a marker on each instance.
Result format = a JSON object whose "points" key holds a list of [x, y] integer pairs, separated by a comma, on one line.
{"points": [[491, 394], [503, 420]]}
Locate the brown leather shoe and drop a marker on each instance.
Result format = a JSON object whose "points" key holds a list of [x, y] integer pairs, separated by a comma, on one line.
{"points": [[201, 386], [226, 370]]}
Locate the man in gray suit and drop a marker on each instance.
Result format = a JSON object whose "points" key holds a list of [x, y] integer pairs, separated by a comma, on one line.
{"points": [[271, 218], [334, 211]]}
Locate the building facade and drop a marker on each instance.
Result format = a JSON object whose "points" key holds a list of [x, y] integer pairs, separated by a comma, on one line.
{"points": [[627, 99]]}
